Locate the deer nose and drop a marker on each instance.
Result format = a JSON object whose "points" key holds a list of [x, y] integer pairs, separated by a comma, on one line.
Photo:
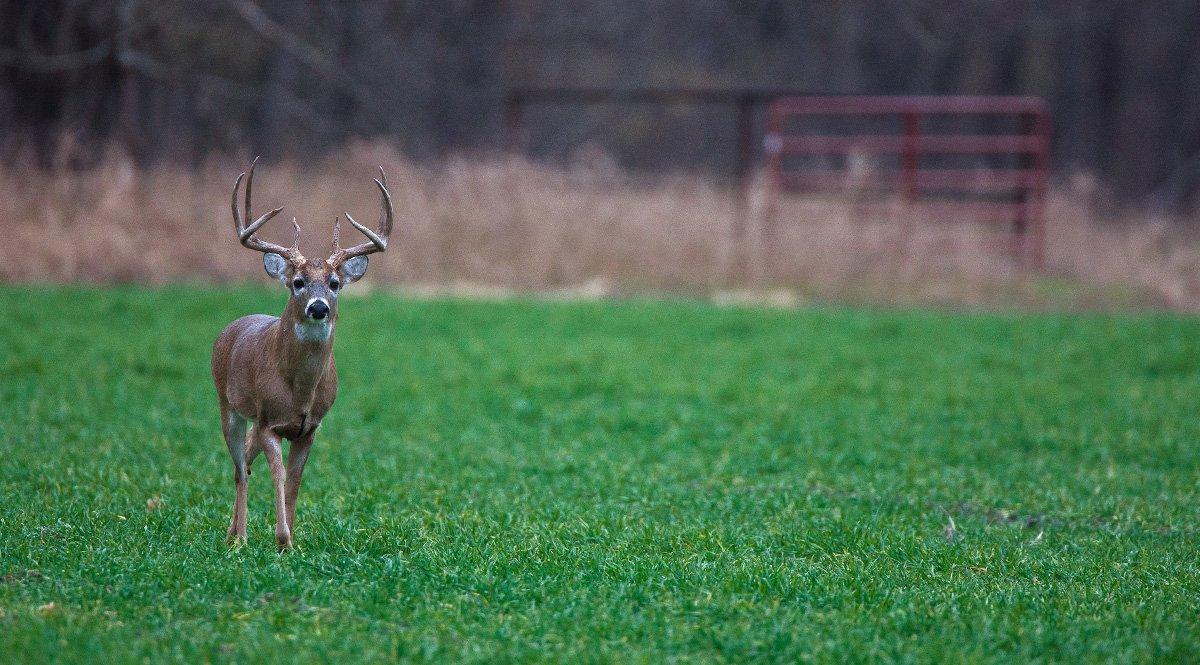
{"points": [[317, 309]]}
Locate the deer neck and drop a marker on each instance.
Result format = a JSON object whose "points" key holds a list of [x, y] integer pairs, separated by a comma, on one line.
{"points": [[303, 351]]}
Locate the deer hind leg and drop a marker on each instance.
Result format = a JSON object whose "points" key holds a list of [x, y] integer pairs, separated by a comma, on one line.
{"points": [[253, 448], [234, 428], [270, 444]]}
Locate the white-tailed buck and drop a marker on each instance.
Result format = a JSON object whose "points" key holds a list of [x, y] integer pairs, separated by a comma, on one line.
{"points": [[275, 375]]}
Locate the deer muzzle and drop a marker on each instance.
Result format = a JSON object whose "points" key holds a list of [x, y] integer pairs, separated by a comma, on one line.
{"points": [[317, 309]]}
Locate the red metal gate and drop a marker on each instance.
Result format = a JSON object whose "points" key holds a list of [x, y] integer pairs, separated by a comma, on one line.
{"points": [[1004, 181]]}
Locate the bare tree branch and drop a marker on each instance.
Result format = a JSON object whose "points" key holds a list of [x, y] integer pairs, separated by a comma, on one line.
{"points": [[149, 67], [271, 30], [56, 62], [27, 57], [145, 65]]}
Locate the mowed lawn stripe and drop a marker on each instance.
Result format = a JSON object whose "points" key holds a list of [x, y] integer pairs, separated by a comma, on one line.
{"points": [[607, 481]]}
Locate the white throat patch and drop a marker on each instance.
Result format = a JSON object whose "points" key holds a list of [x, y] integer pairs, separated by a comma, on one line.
{"points": [[313, 331]]}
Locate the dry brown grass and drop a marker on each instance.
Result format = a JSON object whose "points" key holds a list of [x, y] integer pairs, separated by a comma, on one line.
{"points": [[494, 226]]}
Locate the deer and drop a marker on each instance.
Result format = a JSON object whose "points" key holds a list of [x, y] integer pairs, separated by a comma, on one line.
{"points": [[275, 376]]}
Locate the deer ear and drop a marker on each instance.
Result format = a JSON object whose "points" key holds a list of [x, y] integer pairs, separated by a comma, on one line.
{"points": [[354, 269], [276, 266]]}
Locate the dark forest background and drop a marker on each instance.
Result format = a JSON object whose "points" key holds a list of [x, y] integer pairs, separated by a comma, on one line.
{"points": [[178, 80]]}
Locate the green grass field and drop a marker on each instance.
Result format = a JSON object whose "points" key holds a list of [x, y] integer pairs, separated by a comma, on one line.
{"points": [[622, 482]]}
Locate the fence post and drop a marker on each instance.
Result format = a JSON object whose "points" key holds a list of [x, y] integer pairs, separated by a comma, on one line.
{"points": [[1036, 232], [773, 151], [912, 134], [513, 121], [741, 182]]}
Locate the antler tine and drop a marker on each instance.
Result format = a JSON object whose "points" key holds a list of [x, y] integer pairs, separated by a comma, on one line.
{"points": [[337, 233], [378, 240], [249, 230], [246, 232], [385, 212], [377, 244], [250, 185], [237, 214]]}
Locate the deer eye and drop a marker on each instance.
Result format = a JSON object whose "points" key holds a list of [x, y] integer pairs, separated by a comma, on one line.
{"points": [[334, 283], [298, 283]]}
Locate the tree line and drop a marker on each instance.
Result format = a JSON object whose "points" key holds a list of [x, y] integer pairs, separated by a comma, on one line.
{"points": [[177, 80]]}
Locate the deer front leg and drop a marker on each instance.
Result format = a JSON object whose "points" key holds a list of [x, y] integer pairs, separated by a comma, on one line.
{"points": [[269, 442], [297, 457]]}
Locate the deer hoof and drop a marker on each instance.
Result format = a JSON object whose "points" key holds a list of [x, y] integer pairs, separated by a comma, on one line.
{"points": [[283, 539]]}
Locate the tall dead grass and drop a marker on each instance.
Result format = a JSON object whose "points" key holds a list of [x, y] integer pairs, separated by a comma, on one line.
{"points": [[512, 224]]}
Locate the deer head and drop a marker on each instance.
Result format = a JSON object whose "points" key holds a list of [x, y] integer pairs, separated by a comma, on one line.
{"points": [[313, 285]]}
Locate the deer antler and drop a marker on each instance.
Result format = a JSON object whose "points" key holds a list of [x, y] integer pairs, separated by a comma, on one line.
{"points": [[246, 232], [378, 240]]}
